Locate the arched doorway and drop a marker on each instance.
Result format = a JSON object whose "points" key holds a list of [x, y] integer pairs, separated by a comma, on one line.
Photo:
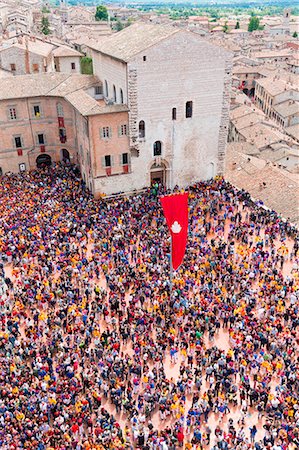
{"points": [[158, 173], [64, 155], [43, 160]]}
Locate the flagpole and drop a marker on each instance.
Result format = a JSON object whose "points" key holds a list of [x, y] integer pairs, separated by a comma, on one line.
{"points": [[171, 273], [171, 189]]}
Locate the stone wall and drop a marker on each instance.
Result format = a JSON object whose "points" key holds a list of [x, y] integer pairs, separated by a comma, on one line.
{"points": [[17, 56], [224, 124], [192, 148], [65, 64], [179, 69]]}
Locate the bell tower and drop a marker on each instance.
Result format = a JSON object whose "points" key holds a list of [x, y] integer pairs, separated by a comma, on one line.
{"points": [[286, 17], [63, 9]]}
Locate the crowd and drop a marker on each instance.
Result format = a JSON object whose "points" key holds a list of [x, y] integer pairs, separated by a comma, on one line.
{"points": [[96, 354]]}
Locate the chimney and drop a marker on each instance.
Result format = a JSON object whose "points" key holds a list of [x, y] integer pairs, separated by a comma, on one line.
{"points": [[27, 61]]}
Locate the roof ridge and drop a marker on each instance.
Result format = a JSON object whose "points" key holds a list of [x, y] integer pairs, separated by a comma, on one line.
{"points": [[57, 85]]}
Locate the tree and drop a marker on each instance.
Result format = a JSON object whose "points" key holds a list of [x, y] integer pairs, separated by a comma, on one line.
{"points": [[86, 65], [295, 34], [45, 28], [119, 26], [101, 13], [225, 27], [237, 25], [254, 24], [129, 22]]}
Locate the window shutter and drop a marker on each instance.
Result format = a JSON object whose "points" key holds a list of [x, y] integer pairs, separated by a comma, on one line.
{"points": [[120, 160], [119, 131], [110, 132], [101, 133], [112, 160], [103, 161], [129, 158]]}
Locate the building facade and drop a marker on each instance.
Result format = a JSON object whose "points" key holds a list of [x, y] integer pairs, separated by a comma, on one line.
{"points": [[31, 133], [178, 105], [64, 121]]}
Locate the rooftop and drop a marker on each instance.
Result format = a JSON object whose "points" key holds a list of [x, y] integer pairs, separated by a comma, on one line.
{"points": [[293, 62], [44, 84], [280, 53], [38, 47], [280, 189], [5, 73], [247, 120], [275, 86], [262, 135], [70, 87], [293, 131], [65, 51], [127, 43], [262, 70], [286, 109], [243, 110], [88, 106]]}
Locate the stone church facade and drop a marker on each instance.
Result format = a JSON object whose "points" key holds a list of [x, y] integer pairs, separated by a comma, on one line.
{"points": [[177, 91]]}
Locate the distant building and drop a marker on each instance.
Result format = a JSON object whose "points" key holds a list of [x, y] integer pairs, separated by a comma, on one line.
{"points": [[286, 113], [278, 57], [293, 65], [247, 77], [18, 20], [67, 59], [272, 91], [27, 55]]}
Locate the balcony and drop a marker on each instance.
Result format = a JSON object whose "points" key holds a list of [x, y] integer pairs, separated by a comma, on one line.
{"points": [[126, 168], [42, 148], [108, 171], [20, 151]]}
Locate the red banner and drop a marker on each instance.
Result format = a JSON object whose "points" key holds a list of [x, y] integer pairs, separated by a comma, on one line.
{"points": [[175, 209]]}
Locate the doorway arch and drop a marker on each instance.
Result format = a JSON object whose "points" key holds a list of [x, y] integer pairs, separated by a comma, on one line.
{"points": [[43, 160], [158, 173], [64, 155]]}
